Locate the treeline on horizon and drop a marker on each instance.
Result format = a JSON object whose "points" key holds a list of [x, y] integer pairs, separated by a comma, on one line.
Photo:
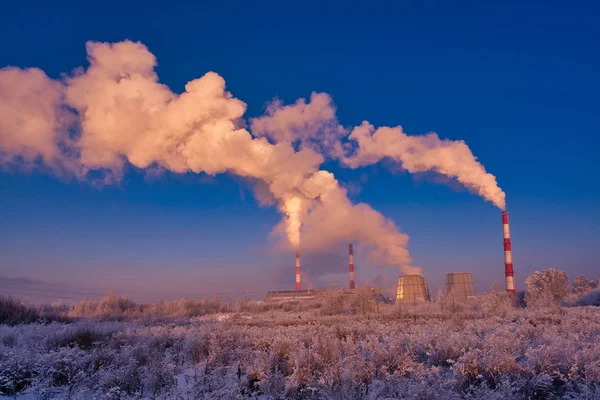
{"points": [[544, 288]]}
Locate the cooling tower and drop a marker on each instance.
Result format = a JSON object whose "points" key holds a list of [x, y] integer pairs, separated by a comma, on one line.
{"points": [[351, 265], [508, 266], [298, 287], [460, 285], [412, 289]]}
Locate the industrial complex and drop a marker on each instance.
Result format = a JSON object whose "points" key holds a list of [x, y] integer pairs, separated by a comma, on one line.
{"points": [[411, 288]]}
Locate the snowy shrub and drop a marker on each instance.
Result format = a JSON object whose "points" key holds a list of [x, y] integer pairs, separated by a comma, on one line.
{"points": [[65, 370], [333, 303], [13, 312], [419, 311], [583, 285], [16, 371], [449, 303], [547, 287], [496, 302], [254, 307], [85, 308], [363, 302], [485, 351], [113, 306]]}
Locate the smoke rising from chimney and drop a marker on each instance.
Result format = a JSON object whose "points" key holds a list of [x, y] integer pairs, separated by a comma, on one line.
{"points": [[306, 123], [116, 112], [450, 158]]}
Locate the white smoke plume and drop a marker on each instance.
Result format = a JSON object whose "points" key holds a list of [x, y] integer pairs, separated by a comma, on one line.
{"points": [[415, 153], [424, 153], [313, 124], [31, 117], [123, 115]]}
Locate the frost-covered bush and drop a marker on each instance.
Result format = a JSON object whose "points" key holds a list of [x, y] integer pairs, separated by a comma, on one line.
{"points": [[451, 304], [583, 285], [114, 307], [363, 302], [486, 351], [334, 303], [547, 287], [497, 302], [111, 307], [13, 312]]}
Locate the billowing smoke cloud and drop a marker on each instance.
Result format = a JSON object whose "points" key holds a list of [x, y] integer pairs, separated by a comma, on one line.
{"points": [[31, 117], [313, 124], [450, 158], [415, 153], [122, 114]]}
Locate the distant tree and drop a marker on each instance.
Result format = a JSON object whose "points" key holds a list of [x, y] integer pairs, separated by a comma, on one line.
{"points": [[113, 306], [582, 284], [14, 312], [549, 285]]}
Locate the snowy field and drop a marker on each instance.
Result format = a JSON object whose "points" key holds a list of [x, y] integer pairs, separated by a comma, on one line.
{"points": [[338, 348]]}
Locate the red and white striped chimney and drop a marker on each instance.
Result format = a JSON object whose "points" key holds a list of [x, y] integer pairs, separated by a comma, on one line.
{"points": [[298, 287], [508, 265], [351, 265]]}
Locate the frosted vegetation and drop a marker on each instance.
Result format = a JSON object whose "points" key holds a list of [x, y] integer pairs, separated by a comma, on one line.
{"points": [[338, 347]]}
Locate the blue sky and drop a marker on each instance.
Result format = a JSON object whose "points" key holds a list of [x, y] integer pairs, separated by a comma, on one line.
{"points": [[518, 82]]}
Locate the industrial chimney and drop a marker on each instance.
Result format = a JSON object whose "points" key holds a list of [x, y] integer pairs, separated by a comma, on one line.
{"points": [[508, 266], [298, 287], [351, 265]]}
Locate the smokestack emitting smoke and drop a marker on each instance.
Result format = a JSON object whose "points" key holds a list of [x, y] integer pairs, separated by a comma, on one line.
{"points": [[298, 285], [424, 153], [95, 122], [314, 125], [508, 265], [351, 265]]}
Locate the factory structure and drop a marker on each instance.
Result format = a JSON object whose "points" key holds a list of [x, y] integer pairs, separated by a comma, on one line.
{"points": [[459, 285], [411, 289], [508, 265], [298, 285], [303, 295], [351, 265]]}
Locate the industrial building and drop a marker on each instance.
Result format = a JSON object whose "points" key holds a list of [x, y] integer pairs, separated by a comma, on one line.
{"points": [[294, 295], [412, 289], [459, 285], [309, 295]]}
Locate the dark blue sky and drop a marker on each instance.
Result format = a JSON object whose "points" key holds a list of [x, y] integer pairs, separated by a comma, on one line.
{"points": [[518, 81]]}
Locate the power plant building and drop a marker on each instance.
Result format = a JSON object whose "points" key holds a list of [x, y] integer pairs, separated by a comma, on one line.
{"points": [[460, 286], [293, 295], [412, 289]]}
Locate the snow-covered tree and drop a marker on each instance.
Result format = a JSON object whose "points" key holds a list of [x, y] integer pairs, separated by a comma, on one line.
{"points": [[583, 284], [548, 285]]}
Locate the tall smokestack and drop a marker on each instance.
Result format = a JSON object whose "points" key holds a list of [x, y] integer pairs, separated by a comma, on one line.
{"points": [[298, 287], [351, 265], [508, 266]]}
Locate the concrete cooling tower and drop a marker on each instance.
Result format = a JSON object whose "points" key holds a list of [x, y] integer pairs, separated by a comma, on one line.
{"points": [[412, 289], [460, 285]]}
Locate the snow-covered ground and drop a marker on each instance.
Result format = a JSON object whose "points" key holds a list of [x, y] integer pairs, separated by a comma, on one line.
{"points": [[408, 353]]}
